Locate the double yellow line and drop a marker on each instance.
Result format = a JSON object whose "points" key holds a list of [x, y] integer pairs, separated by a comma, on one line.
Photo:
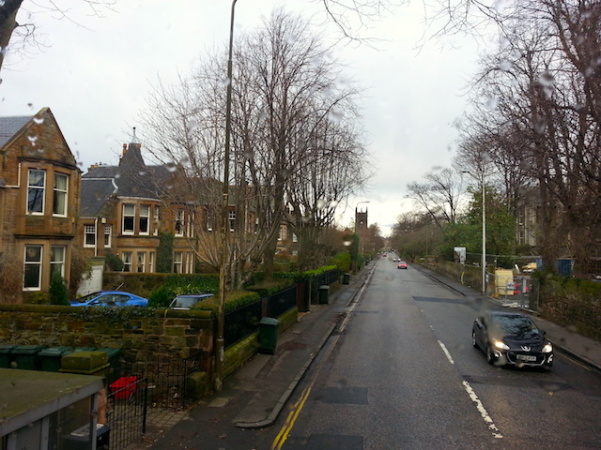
{"points": [[290, 420]]}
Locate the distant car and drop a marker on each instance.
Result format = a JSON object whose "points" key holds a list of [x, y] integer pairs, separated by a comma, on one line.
{"points": [[402, 265], [509, 338], [110, 299], [187, 301]]}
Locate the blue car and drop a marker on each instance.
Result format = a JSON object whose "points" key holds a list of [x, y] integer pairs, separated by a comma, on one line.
{"points": [[110, 298]]}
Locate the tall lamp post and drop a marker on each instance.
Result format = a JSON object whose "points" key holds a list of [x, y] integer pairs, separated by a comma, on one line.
{"points": [[220, 341], [483, 234]]}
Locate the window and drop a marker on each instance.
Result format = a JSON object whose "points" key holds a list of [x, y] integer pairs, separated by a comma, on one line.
{"points": [[157, 220], [57, 260], [144, 220], [179, 223], [232, 217], [141, 266], [190, 225], [126, 257], [59, 202], [189, 262], [210, 219], [129, 214], [32, 268], [89, 236], [177, 262], [151, 262], [36, 186], [294, 237], [108, 232]]}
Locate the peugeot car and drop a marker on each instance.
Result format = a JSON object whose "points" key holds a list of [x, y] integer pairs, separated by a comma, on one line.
{"points": [[187, 301], [509, 338]]}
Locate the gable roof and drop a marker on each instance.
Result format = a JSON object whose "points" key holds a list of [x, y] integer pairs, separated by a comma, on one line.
{"points": [[46, 140]]}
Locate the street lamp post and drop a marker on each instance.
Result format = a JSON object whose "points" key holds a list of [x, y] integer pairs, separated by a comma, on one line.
{"points": [[220, 340], [483, 234]]}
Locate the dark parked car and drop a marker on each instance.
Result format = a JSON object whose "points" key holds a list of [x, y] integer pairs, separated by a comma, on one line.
{"points": [[509, 338], [402, 265], [110, 298], [187, 301]]}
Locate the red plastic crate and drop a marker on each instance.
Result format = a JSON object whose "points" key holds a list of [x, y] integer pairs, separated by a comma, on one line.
{"points": [[124, 387]]}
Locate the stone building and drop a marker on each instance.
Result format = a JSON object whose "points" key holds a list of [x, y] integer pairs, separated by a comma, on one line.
{"points": [[39, 205]]}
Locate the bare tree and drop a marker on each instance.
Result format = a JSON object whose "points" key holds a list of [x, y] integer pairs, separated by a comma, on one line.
{"points": [[439, 196], [26, 31], [545, 83], [285, 95]]}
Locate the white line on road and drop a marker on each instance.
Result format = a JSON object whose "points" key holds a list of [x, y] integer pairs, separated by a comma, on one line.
{"points": [[491, 426], [446, 352]]}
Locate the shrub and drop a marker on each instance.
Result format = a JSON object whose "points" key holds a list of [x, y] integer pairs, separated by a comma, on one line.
{"points": [[113, 262], [176, 285], [58, 290]]}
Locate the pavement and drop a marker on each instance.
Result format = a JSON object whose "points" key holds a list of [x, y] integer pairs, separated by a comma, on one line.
{"points": [[297, 347]]}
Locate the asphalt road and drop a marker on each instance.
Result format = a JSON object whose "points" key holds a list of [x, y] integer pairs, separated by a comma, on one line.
{"points": [[402, 374]]}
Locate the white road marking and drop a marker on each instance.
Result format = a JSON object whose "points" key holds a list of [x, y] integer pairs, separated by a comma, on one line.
{"points": [[446, 352], [491, 426]]}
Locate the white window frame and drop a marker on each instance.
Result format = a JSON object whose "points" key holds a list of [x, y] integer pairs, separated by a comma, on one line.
{"points": [[126, 257], [59, 193], [57, 259], [127, 206], [179, 223], [156, 219], [35, 188], [190, 225], [29, 262], [178, 262], [151, 268], [144, 220], [108, 236], [89, 230], [141, 262], [232, 219], [190, 262]]}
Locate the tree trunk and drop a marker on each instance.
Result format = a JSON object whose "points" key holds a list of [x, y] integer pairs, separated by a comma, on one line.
{"points": [[8, 23]]}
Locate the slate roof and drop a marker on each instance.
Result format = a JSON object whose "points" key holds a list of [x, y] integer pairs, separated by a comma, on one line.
{"points": [[95, 193], [131, 178], [10, 126]]}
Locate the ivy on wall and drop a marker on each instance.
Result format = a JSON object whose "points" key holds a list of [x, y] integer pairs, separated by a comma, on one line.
{"points": [[165, 253]]}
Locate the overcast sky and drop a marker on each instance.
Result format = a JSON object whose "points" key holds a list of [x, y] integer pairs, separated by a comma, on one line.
{"points": [[94, 73]]}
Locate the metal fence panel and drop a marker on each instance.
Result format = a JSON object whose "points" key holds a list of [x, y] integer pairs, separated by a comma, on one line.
{"points": [[241, 322], [281, 302], [127, 410]]}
